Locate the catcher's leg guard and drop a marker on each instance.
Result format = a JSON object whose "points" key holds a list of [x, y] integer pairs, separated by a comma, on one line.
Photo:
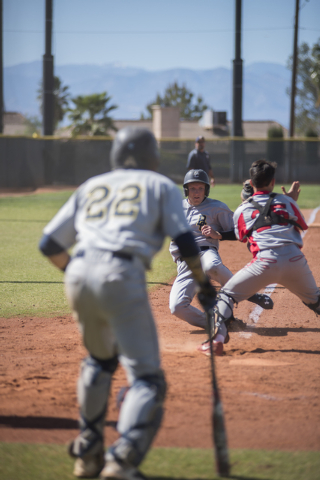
{"points": [[140, 418], [223, 313], [314, 306], [93, 391]]}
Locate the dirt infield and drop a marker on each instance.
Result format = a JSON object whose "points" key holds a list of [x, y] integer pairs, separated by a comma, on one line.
{"points": [[269, 378]]}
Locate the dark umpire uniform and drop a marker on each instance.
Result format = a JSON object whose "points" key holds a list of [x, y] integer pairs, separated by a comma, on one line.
{"points": [[199, 158]]}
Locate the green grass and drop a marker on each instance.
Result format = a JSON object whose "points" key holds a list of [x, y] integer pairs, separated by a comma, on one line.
{"points": [[51, 462], [30, 285]]}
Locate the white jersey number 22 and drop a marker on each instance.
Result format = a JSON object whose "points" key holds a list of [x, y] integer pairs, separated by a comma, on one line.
{"points": [[125, 202]]}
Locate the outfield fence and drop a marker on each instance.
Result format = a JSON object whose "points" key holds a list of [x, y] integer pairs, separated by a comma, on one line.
{"points": [[35, 162]]}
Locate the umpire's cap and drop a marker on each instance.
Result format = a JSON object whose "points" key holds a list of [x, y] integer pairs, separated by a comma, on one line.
{"points": [[196, 176], [135, 148]]}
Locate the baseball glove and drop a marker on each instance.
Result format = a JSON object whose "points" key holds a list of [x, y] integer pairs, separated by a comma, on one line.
{"points": [[247, 190]]}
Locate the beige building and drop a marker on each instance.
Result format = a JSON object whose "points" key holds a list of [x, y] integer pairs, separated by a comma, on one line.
{"points": [[189, 130], [13, 123], [165, 124]]}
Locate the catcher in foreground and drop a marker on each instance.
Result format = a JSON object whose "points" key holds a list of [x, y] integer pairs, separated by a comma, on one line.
{"points": [[271, 224]]}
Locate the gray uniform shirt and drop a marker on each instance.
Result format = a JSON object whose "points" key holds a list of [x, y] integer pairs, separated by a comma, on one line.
{"points": [[210, 212], [125, 210]]}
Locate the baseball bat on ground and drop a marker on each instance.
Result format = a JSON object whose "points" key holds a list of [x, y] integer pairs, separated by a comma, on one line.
{"points": [[219, 434]]}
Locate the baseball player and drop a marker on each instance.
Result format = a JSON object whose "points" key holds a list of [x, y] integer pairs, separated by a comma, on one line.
{"points": [[118, 221], [271, 223], [210, 221]]}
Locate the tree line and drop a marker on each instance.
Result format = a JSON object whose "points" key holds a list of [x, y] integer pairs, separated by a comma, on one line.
{"points": [[91, 114]]}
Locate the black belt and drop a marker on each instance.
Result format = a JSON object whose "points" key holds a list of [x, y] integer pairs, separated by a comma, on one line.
{"points": [[203, 249], [124, 255]]}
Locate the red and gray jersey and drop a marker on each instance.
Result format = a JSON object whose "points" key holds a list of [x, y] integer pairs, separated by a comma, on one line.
{"points": [[271, 236], [131, 211], [210, 212]]}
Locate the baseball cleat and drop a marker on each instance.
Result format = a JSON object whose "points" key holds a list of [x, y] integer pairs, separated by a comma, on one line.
{"points": [[89, 466], [264, 301], [217, 348], [118, 471]]}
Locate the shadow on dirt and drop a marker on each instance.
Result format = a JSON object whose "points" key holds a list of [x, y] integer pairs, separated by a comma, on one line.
{"points": [[46, 423], [279, 331], [292, 350]]}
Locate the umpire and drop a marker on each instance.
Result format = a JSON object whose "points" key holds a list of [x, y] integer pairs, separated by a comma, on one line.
{"points": [[198, 159]]}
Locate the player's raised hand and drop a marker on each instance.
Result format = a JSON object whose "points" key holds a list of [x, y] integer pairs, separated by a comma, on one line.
{"points": [[294, 191], [208, 231]]}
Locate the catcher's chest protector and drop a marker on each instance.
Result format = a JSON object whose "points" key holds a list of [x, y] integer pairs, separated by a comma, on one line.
{"points": [[267, 217]]}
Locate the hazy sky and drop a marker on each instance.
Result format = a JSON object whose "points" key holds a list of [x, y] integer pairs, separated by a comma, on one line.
{"points": [[156, 34]]}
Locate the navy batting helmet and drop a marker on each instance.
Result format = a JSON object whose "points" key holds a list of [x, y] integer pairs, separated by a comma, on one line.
{"points": [[135, 148], [196, 176]]}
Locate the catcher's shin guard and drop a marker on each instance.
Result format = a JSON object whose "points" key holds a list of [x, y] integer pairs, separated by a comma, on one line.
{"points": [[140, 418], [223, 313], [93, 392]]}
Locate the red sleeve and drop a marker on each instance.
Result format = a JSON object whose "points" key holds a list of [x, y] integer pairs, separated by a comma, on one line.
{"points": [[300, 218], [242, 228]]}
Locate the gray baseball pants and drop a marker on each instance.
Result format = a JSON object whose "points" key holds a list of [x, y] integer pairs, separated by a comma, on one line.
{"points": [[285, 265], [109, 299], [184, 287]]}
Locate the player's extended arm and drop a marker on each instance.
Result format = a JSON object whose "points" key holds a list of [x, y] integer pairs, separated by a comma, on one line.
{"points": [[57, 255], [293, 192], [190, 254]]}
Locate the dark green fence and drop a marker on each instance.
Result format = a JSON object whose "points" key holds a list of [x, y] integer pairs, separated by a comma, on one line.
{"points": [[35, 162]]}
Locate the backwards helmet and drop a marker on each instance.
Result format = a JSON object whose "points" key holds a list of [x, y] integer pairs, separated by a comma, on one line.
{"points": [[135, 148], [196, 176]]}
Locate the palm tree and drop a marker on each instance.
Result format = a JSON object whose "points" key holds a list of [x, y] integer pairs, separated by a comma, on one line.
{"points": [[61, 100], [91, 115]]}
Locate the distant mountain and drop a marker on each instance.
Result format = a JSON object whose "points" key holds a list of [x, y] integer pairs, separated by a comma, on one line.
{"points": [[264, 90]]}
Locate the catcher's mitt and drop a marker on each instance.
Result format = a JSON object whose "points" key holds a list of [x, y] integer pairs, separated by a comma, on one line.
{"points": [[247, 190]]}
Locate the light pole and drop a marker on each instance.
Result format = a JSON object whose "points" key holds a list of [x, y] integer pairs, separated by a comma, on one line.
{"points": [[236, 147], [237, 77], [1, 73], [48, 81], [294, 70]]}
